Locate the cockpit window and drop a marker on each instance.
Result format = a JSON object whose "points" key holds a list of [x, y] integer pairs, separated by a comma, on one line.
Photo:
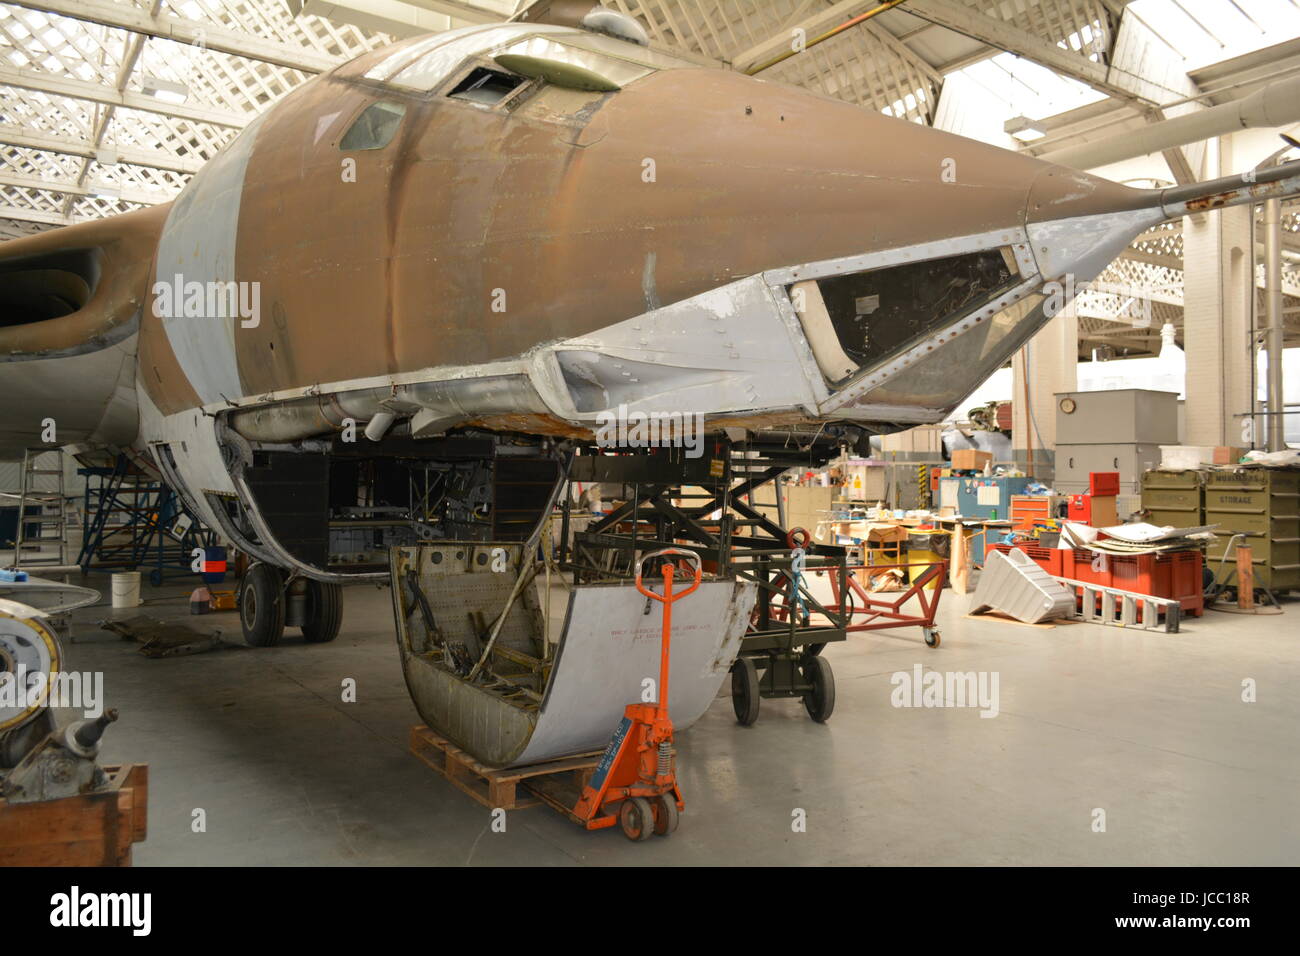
{"points": [[375, 127], [428, 70], [567, 62], [403, 54], [424, 65], [623, 50], [485, 86]]}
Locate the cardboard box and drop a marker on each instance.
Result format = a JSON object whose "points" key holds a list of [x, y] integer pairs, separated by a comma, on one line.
{"points": [[971, 459], [1104, 512], [1227, 454]]}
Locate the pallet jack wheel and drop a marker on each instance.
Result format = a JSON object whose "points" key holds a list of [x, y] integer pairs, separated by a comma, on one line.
{"points": [[820, 701], [744, 691], [666, 814], [324, 612], [261, 606], [637, 819], [931, 636]]}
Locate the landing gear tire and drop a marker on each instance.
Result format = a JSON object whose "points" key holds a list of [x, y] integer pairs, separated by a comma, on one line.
{"points": [[637, 819], [744, 691], [324, 612], [820, 700], [261, 606], [931, 636], [666, 815]]}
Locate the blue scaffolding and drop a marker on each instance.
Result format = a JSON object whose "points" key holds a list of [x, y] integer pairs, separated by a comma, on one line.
{"points": [[133, 521]]}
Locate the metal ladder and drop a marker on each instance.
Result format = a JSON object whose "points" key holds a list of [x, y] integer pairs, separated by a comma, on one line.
{"points": [[43, 500], [1120, 608]]}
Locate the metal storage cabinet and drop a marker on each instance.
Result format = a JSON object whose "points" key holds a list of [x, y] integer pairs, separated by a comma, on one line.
{"points": [[1174, 497], [1125, 415], [1264, 504], [1075, 462], [963, 494]]}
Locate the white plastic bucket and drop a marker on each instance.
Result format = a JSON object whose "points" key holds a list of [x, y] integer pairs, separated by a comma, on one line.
{"points": [[126, 589]]}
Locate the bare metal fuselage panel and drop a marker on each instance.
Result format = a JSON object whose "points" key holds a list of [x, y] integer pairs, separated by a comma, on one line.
{"points": [[540, 700]]}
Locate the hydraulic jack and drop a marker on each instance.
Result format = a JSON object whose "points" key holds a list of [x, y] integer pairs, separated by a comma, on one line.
{"points": [[635, 783]]}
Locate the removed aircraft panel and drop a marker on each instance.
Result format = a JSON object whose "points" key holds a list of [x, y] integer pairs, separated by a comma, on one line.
{"points": [[482, 673]]}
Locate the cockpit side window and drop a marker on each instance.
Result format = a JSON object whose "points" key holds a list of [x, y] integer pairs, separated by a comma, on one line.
{"points": [[556, 54], [486, 86], [375, 127]]}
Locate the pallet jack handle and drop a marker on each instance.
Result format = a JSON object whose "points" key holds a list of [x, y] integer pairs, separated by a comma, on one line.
{"points": [[667, 599]]}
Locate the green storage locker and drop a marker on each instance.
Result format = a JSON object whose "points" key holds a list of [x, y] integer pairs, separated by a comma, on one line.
{"points": [[1174, 498], [1264, 504]]}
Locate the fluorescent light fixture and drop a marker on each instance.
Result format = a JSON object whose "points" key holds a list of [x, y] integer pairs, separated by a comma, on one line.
{"points": [[105, 192], [1024, 129], [166, 90]]}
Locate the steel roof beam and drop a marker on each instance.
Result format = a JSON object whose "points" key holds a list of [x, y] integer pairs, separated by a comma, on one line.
{"points": [[99, 93], [129, 155], [195, 32]]}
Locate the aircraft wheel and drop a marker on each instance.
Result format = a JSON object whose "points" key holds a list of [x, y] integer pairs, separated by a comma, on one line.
{"points": [[637, 819], [261, 606], [744, 691], [820, 701], [666, 814], [324, 612]]}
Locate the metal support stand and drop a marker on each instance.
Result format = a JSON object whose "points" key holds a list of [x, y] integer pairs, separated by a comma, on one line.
{"points": [[702, 503]]}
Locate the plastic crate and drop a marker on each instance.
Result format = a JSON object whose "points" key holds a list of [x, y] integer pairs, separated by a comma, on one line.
{"points": [[1174, 574], [1049, 559], [1076, 565]]}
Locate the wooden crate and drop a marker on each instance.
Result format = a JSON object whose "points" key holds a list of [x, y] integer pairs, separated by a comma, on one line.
{"points": [[92, 829], [490, 787]]}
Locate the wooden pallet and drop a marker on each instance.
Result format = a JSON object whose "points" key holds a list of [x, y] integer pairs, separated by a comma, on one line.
{"points": [[91, 829], [490, 787]]}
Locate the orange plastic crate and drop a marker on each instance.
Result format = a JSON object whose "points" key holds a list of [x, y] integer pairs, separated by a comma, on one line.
{"points": [[1049, 559], [1175, 574]]}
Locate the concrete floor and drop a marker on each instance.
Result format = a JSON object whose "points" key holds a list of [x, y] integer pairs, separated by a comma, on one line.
{"points": [[1149, 727]]}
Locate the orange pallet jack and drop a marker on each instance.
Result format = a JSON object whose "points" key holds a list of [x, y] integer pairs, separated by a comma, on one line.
{"points": [[635, 783]]}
